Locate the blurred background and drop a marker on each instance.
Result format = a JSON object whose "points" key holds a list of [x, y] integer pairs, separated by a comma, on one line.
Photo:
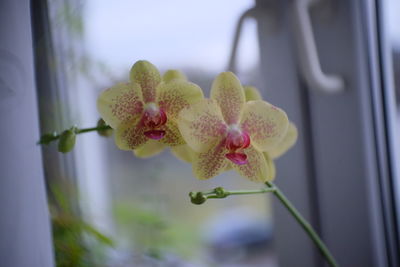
{"points": [[109, 208]]}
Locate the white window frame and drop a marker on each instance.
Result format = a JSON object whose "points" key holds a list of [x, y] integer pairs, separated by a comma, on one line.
{"points": [[340, 174]]}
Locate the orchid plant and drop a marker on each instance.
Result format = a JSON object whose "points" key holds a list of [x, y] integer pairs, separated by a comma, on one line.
{"points": [[232, 129]]}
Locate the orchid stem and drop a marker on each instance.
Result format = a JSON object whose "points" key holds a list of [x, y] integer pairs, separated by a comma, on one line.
{"points": [[240, 192], [219, 192], [304, 224], [51, 137], [98, 128]]}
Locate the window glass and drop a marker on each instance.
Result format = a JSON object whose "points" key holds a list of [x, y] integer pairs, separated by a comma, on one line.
{"points": [[143, 205]]}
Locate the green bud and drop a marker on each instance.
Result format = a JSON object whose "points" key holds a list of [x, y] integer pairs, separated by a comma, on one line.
{"points": [[67, 141], [197, 198], [47, 138], [104, 132], [220, 192]]}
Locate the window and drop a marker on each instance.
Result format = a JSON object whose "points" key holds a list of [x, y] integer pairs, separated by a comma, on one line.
{"points": [[109, 208]]}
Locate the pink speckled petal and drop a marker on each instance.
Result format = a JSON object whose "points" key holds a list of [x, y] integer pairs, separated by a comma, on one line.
{"points": [[201, 124], [184, 153], [238, 158], [172, 135], [285, 144], [265, 123], [229, 94], [211, 163], [147, 76], [149, 149], [120, 103], [130, 135], [271, 167], [256, 168], [175, 95]]}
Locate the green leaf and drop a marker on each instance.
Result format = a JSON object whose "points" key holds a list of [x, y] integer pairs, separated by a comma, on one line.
{"points": [[96, 234]]}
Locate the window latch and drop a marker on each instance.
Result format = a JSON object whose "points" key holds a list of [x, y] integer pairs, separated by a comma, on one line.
{"points": [[309, 61]]}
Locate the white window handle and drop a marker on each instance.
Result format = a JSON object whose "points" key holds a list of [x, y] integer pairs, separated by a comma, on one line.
{"points": [[250, 13], [308, 56]]}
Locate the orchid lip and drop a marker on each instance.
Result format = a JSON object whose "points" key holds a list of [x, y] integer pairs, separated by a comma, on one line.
{"points": [[155, 134], [237, 158], [153, 118], [237, 139]]}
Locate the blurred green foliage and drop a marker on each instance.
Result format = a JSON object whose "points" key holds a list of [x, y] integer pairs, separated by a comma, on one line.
{"points": [[76, 243], [155, 234]]}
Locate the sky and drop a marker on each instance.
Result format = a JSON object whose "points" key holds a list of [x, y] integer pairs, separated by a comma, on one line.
{"points": [[179, 33], [170, 34]]}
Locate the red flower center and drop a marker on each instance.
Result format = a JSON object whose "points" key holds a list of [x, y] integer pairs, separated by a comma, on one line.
{"points": [[153, 118], [235, 142]]}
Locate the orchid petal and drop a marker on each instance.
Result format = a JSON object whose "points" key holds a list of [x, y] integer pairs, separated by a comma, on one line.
{"points": [[229, 94], [130, 135], [256, 168], [285, 144], [172, 135], [201, 124], [171, 75], [173, 96], [147, 76], [120, 103], [271, 167], [210, 163], [265, 123], [149, 149], [184, 153], [252, 93]]}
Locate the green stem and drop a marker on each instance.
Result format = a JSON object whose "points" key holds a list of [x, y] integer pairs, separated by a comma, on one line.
{"points": [[98, 128], [219, 192], [304, 224], [48, 138], [239, 192]]}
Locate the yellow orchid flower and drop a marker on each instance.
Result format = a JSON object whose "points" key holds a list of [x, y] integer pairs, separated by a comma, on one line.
{"points": [[185, 153], [145, 110], [153, 147], [228, 130]]}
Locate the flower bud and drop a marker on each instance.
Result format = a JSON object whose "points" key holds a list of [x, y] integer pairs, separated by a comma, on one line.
{"points": [[220, 192], [197, 198], [252, 93], [67, 141], [104, 132], [174, 75]]}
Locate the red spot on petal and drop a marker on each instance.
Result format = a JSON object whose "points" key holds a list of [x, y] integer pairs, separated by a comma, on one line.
{"points": [[237, 158], [237, 140], [155, 134], [154, 118]]}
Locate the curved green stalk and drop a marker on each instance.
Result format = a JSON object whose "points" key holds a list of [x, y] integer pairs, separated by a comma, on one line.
{"points": [[51, 137], [304, 224], [219, 192]]}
